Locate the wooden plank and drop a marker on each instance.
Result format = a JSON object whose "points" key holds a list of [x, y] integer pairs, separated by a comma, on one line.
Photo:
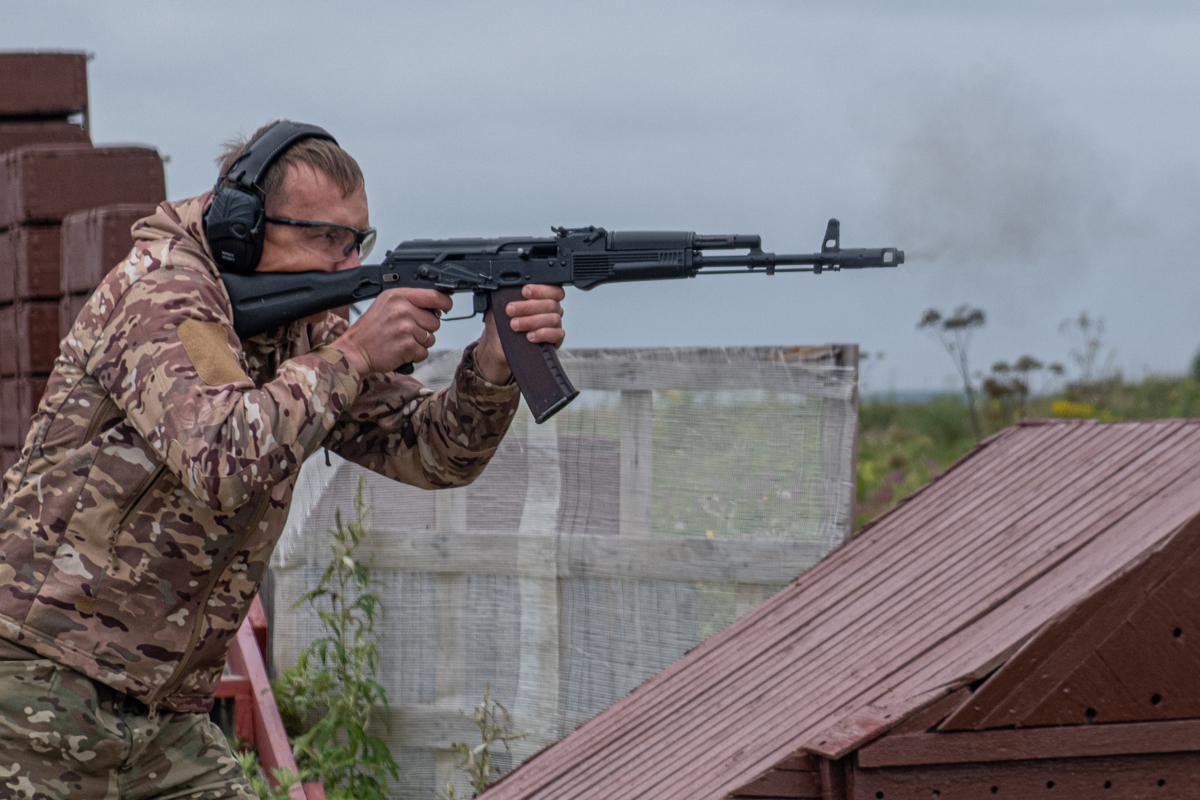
{"points": [[849, 358], [922, 721], [1169, 776], [257, 620], [783, 783], [271, 742], [450, 664], [1012, 693], [1041, 671], [804, 762], [833, 779], [1068, 741], [637, 462], [705, 369], [1092, 685], [668, 558], [435, 726], [238, 687], [1155, 653]]}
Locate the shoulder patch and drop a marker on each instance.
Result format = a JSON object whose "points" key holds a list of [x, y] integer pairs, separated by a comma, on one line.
{"points": [[207, 345]]}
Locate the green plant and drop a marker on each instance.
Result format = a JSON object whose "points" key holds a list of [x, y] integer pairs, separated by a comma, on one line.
{"points": [[955, 333], [248, 760], [327, 699], [495, 726]]}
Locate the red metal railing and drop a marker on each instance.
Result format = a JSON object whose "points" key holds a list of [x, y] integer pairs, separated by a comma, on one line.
{"points": [[256, 716]]}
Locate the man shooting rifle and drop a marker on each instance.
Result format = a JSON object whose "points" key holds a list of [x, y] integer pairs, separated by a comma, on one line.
{"points": [[155, 481]]}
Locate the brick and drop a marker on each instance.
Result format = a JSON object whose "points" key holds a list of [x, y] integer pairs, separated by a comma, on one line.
{"points": [[8, 338], [19, 134], [43, 84], [33, 344], [10, 412], [68, 311], [95, 241], [46, 182], [19, 398], [30, 263]]}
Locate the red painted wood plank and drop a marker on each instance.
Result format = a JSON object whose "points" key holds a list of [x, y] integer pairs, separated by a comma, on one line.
{"points": [[798, 761], [1169, 777], [783, 783], [239, 688], [1073, 741], [1010, 696], [833, 779], [257, 619], [274, 752], [233, 686], [923, 720], [1078, 571]]}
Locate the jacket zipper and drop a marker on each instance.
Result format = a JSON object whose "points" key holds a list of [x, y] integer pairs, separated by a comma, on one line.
{"points": [[215, 575], [133, 506]]}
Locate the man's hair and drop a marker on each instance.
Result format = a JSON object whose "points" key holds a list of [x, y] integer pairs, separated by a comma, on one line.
{"points": [[321, 154]]}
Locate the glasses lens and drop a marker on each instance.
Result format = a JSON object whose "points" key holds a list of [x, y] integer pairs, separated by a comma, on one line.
{"points": [[328, 240], [368, 242]]}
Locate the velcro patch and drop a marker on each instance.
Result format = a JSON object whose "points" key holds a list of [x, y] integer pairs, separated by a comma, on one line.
{"points": [[207, 345]]}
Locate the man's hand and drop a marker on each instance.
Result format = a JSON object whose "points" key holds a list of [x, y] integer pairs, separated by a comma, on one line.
{"points": [[539, 316], [396, 329]]}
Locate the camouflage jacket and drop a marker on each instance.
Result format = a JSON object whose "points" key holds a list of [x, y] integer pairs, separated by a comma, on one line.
{"points": [[157, 475]]}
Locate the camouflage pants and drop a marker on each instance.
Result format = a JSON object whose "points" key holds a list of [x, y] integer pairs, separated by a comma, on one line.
{"points": [[63, 735]]}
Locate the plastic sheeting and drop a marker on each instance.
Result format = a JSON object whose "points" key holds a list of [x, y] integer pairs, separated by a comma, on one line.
{"points": [[679, 490]]}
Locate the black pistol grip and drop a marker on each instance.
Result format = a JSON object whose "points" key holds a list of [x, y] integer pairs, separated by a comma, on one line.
{"points": [[542, 381]]}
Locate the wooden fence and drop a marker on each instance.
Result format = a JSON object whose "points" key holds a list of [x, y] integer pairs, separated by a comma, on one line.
{"points": [[549, 578]]}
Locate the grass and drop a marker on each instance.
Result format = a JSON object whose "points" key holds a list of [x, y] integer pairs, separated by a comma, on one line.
{"points": [[901, 447]]}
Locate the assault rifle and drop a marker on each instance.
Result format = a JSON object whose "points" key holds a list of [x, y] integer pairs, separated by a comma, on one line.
{"points": [[496, 269]]}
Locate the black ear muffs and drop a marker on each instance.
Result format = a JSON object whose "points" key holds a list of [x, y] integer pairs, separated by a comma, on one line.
{"points": [[235, 224]]}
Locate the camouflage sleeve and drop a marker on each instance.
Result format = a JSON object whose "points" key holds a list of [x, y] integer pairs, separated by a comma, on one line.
{"points": [[433, 440], [167, 355]]}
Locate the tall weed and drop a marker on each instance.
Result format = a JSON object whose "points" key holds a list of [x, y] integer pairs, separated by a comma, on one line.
{"points": [[327, 699]]}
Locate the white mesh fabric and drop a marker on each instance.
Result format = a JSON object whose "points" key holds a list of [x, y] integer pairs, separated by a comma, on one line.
{"points": [[679, 490]]}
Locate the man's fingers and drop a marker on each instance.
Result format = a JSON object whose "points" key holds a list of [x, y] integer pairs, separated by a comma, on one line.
{"points": [[526, 308], [554, 336], [537, 291], [426, 298], [536, 321], [426, 320]]}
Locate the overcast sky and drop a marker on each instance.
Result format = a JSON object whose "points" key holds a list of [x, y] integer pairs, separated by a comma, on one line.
{"points": [[1034, 159]]}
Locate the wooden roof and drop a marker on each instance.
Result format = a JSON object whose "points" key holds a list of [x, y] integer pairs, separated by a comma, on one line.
{"points": [[933, 596]]}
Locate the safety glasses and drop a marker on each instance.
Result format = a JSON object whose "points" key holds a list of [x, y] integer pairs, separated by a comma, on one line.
{"points": [[331, 240]]}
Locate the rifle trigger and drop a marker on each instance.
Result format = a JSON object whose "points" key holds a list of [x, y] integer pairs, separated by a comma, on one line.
{"points": [[481, 302]]}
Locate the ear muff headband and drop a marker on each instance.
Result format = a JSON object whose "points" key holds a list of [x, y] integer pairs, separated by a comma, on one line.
{"points": [[235, 224]]}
